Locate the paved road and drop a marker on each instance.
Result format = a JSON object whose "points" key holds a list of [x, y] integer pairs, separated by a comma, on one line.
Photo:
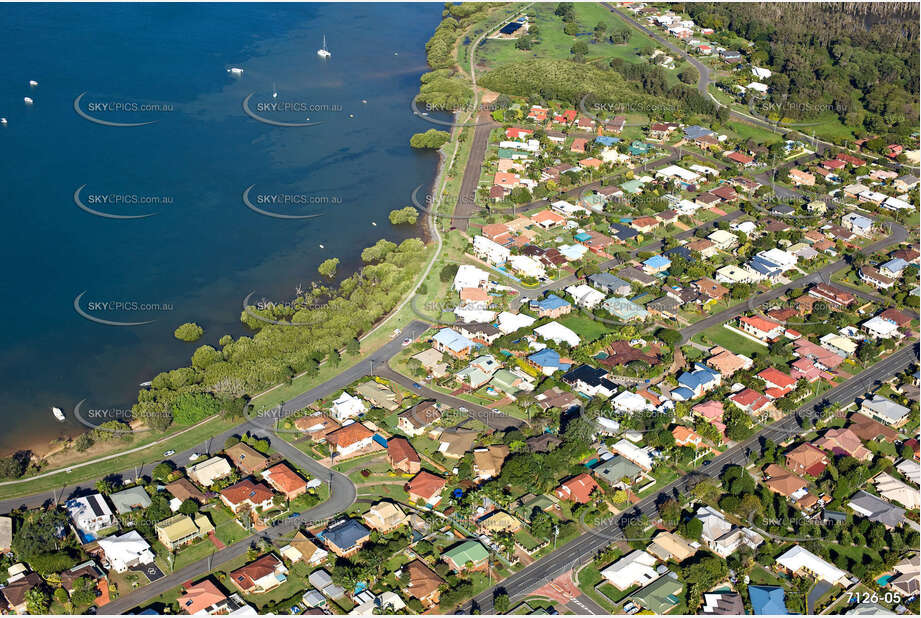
{"points": [[496, 420], [260, 420], [703, 81], [655, 245], [342, 496], [582, 549], [897, 235], [466, 198]]}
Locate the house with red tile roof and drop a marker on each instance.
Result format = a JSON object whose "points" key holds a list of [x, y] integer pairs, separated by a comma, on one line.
{"points": [[247, 494], [350, 438], [761, 328], [844, 442], [740, 158], [806, 369], [847, 158], [687, 437], [565, 117], [897, 317], [518, 133], [286, 481], [833, 164], [316, 426], [777, 382], [577, 489], [402, 456], [867, 428], [548, 219], [751, 401], [263, 575], [538, 113], [807, 459], [199, 597], [832, 294], [578, 144], [426, 487], [712, 412], [799, 177], [726, 362], [782, 481], [591, 162]]}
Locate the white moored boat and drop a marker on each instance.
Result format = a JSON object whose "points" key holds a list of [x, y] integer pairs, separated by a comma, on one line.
{"points": [[323, 52], [27, 100], [33, 83], [235, 70], [58, 414]]}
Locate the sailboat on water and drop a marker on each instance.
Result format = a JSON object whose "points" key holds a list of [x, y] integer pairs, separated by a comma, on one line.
{"points": [[323, 52], [274, 91]]}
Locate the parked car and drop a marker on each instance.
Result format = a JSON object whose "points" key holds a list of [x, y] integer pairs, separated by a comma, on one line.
{"points": [[169, 453]]}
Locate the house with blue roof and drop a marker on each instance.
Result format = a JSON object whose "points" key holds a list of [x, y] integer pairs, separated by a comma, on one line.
{"points": [[893, 268], [609, 284], [583, 237], [700, 380], [768, 600], [624, 309], [450, 341], [548, 362], [605, 140], [857, 223], [656, 264], [623, 232], [345, 537], [550, 307], [638, 148], [764, 268], [694, 131], [680, 250]]}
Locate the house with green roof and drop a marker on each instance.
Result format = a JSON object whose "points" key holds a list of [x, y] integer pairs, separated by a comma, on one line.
{"points": [[661, 596], [509, 383], [531, 502], [634, 187], [616, 469], [639, 148], [468, 552]]}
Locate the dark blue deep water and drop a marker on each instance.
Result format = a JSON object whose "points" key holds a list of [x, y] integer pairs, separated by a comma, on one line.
{"points": [[203, 252]]}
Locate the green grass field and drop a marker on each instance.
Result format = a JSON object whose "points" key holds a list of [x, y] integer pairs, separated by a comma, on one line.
{"points": [[731, 341], [554, 43], [587, 328]]}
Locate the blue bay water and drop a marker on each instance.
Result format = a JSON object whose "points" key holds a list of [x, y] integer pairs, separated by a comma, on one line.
{"points": [[200, 255]]}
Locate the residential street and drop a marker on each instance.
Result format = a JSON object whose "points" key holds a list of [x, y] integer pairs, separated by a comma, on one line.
{"points": [[581, 550]]}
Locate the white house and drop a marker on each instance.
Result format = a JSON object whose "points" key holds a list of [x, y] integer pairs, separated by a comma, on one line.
{"points": [[628, 401], [780, 257], [723, 239], [585, 296], [489, 250], [126, 551], [635, 569], [90, 513], [798, 559], [510, 322], [556, 332], [880, 328], [678, 172], [346, 406], [638, 455], [568, 210], [469, 276], [527, 266]]}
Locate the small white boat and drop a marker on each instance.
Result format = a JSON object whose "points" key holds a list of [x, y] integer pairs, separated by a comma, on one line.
{"points": [[3, 121], [322, 247], [33, 83], [145, 384], [58, 414], [274, 91], [235, 70], [323, 52], [374, 224], [27, 100], [365, 101], [351, 115]]}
